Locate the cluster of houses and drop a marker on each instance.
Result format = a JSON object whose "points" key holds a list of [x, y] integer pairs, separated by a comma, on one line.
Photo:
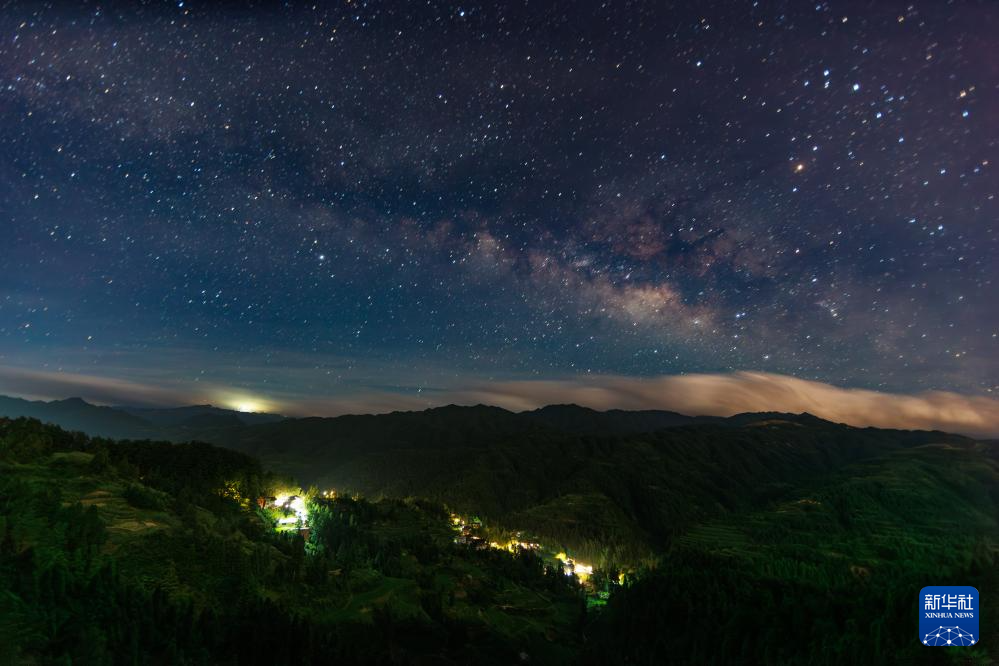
{"points": [[293, 510], [294, 516], [574, 568], [469, 533]]}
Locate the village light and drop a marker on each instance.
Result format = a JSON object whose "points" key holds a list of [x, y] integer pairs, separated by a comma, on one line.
{"points": [[295, 504], [298, 506]]}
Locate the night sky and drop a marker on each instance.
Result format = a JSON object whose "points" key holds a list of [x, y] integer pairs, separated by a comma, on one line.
{"points": [[378, 205]]}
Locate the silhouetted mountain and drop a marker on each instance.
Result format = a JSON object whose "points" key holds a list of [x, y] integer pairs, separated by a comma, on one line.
{"points": [[192, 416], [77, 414], [176, 424], [774, 522], [313, 440], [612, 497], [583, 420], [749, 418], [586, 478], [449, 425], [211, 421]]}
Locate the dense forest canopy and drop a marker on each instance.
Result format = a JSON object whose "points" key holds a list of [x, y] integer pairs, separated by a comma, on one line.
{"points": [[146, 552]]}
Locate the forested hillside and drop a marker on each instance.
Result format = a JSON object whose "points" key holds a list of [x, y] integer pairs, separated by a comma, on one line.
{"points": [[138, 553], [616, 500], [773, 541], [830, 574]]}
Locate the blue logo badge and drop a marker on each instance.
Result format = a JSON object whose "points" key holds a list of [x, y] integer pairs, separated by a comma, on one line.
{"points": [[948, 615]]}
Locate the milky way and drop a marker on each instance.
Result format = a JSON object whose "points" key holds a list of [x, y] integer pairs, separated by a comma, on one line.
{"points": [[402, 200]]}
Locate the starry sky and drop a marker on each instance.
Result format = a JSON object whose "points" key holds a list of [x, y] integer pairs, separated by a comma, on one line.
{"points": [[364, 206]]}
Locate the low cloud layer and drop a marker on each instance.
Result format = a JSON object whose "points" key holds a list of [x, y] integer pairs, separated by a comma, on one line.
{"points": [[696, 394], [727, 394], [46, 385]]}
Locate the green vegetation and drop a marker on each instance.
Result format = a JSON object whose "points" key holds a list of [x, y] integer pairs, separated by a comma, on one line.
{"points": [[156, 553], [781, 540], [827, 576], [616, 501]]}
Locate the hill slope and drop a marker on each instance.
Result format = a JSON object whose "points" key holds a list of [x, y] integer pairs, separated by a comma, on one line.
{"points": [[612, 499], [614, 487], [171, 424], [194, 415], [802, 544], [150, 552], [77, 414]]}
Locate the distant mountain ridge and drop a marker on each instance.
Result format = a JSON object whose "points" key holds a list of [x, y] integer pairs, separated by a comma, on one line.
{"points": [[193, 415], [576, 419], [614, 486], [173, 424], [77, 414], [767, 520], [439, 423], [600, 483]]}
